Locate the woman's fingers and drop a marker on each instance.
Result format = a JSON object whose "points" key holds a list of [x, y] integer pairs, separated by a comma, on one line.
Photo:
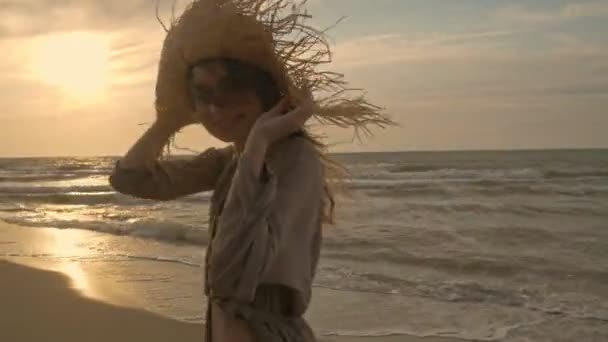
{"points": [[280, 107], [278, 122], [304, 110], [295, 119]]}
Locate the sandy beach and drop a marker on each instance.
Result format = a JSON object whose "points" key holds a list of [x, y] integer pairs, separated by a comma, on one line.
{"points": [[41, 306], [42, 303]]}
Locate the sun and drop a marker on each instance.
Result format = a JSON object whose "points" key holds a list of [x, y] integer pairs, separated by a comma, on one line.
{"points": [[78, 63]]}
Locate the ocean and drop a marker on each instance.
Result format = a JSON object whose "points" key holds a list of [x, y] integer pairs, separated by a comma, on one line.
{"points": [[479, 245]]}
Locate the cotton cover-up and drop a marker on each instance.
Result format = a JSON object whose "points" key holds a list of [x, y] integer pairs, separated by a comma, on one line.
{"points": [[265, 234]]}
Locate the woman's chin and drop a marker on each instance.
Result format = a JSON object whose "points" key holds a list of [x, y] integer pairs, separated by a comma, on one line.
{"points": [[226, 140], [223, 136]]}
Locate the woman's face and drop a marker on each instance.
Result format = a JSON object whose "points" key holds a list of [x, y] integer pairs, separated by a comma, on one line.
{"points": [[227, 113]]}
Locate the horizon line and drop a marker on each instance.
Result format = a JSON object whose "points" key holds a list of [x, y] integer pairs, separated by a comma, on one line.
{"points": [[455, 150]]}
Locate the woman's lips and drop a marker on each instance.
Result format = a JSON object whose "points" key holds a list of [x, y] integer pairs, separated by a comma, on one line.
{"points": [[228, 120]]}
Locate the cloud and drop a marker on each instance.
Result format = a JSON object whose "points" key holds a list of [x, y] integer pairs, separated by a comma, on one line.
{"points": [[450, 88], [131, 27], [582, 88], [498, 45], [491, 69], [567, 12], [401, 47], [30, 17]]}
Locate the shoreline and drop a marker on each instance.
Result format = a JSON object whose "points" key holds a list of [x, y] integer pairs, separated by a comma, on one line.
{"points": [[42, 305], [45, 301]]}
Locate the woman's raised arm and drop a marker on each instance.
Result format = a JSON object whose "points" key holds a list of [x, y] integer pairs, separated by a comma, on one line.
{"points": [[141, 173]]}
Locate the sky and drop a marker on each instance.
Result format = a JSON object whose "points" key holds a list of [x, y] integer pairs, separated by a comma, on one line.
{"points": [[78, 75]]}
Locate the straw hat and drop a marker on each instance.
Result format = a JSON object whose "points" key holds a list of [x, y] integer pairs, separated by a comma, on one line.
{"points": [[270, 34]]}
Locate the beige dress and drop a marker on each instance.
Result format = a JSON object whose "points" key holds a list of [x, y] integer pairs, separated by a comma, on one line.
{"points": [[265, 235]]}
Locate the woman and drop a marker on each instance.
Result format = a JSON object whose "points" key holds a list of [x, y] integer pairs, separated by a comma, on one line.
{"points": [[224, 65]]}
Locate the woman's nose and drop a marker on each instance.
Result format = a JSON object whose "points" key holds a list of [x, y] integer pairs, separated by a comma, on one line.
{"points": [[214, 112]]}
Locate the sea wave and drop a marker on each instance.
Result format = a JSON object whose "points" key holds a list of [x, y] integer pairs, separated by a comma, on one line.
{"points": [[43, 177], [107, 255], [519, 209], [91, 195], [53, 189], [576, 174], [398, 189], [42, 168], [159, 259], [72, 198], [575, 190], [493, 333], [473, 291], [415, 168], [168, 231], [487, 188], [488, 265], [415, 171], [15, 209], [455, 171]]}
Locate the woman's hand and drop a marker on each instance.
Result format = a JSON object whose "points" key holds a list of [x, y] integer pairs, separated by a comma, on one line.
{"points": [[275, 125], [279, 123]]}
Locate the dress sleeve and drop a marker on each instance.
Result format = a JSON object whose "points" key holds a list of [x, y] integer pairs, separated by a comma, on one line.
{"points": [[258, 219], [165, 180]]}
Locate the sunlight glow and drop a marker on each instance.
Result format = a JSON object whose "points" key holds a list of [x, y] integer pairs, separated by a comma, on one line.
{"points": [[68, 244], [78, 63]]}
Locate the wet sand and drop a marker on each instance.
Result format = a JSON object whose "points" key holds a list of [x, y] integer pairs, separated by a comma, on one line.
{"points": [[43, 302], [41, 305]]}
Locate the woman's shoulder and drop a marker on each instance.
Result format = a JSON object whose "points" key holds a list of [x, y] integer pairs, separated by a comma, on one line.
{"points": [[294, 151]]}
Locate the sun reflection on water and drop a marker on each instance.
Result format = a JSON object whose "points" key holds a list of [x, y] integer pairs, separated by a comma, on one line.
{"points": [[79, 278], [68, 245]]}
